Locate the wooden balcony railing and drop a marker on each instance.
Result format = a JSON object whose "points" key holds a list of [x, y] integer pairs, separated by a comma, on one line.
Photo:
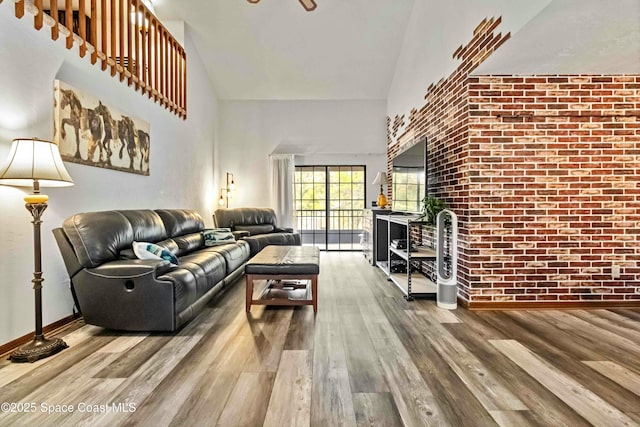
{"points": [[125, 38]]}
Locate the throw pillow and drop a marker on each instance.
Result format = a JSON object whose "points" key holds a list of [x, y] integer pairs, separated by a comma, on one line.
{"points": [[144, 250], [217, 236]]}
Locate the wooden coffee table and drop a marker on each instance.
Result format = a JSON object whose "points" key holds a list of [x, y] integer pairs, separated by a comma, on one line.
{"points": [[288, 271]]}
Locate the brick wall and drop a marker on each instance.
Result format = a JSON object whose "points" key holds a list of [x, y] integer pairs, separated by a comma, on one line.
{"points": [[554, 194], [544, 174]]}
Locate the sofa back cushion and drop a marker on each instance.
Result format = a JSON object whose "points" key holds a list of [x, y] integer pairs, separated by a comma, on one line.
{"points": [[256, 229], [178, 222], [243, 217], [147, 225], [98, 237]]}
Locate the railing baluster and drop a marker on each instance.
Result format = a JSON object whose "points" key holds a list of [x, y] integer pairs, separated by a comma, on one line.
{"points": [[19, 8], [129, 56], [137, 29], [68, 18], [184, 83], [37, 20], [156, 55], [143, 51], [94, 31], [161, 65], [121, 23], [55, 31], [82, 16], [103, 32], [150, 53], [113, 36]]}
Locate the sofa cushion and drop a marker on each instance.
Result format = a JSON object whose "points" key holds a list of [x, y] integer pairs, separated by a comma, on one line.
{"points": [[98, 237], [184, 287], [256, 229], [245, 216], [180, 221], [256, 243], [208, 268], [235, 254], [217, 236], [145, 250], [147, 225]]}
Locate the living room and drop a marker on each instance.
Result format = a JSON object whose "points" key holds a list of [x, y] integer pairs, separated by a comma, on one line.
{"points": [[348, 84]]}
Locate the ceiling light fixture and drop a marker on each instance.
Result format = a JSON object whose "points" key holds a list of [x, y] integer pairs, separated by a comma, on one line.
{"points": [[309, 5]]}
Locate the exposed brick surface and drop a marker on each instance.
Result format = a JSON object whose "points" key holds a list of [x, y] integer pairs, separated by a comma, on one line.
{"points": [[544, 174]]}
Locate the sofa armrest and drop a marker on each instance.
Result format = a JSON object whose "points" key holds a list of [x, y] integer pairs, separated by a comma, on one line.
{"points": [[127, 295], [240, 234], [283, 230], [131, 268]]}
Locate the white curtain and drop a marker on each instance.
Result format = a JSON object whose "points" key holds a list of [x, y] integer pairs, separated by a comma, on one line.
{"points": [[282, 171]]}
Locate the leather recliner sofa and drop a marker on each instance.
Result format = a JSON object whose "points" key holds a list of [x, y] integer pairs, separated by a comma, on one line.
{"points": [[113, 290], [256, 226]]}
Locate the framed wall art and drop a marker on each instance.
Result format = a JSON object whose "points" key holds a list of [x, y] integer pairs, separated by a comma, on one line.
{"points": [[92, 133]]}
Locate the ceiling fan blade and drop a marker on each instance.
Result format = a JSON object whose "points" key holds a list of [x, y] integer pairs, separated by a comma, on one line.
{"points": [[309, 5], [253, 1]]}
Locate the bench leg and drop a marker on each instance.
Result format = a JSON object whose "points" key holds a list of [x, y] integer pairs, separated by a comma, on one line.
{"points": [[314, 293], [249, 286]]}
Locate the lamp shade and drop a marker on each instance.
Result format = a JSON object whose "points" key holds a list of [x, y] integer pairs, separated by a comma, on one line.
{"points": [[34, 159], [381, 179]]}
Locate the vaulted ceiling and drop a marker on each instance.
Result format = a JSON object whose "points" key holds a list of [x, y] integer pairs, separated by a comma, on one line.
{"points": [[275, 49]]}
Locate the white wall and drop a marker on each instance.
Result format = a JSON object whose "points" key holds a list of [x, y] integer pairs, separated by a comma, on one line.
{"points": [[435, 31], [181, 161], [574, 37], [320, 132]]}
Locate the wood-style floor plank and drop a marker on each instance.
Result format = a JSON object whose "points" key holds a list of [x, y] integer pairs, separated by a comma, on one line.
{"points": [[619, 374], [376, 409], [367, 358], [587, 404], [290, 403], [247, 405]]}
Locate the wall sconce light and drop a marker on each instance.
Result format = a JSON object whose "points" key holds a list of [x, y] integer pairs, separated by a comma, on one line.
{"points": [[227, 192], [381, 179]]}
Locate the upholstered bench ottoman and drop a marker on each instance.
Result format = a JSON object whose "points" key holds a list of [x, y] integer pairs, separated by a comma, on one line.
{"points": [[288, 271]]}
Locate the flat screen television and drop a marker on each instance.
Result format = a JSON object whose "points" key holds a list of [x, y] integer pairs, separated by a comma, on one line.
{"points": [[409, 177]]}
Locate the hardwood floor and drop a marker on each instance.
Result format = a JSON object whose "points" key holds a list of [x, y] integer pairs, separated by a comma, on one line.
{"points": [[368, 358]]}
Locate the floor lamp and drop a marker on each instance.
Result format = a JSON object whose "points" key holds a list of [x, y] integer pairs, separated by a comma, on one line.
{"points": [[34, 162]]}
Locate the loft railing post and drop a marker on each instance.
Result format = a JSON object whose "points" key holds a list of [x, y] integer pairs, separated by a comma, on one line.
{"points": [[114, 32], [37, 20], [55, 31], [68, 19], [82, 16], [129, 56], [121, 52], [19, 8], [94, 31], [103, 33]]}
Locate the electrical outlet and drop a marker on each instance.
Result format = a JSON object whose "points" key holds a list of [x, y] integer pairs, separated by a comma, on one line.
{"points": [[615, 271]]}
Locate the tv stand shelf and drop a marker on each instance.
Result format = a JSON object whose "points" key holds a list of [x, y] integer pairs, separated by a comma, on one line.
{"points": [[410, 283]]}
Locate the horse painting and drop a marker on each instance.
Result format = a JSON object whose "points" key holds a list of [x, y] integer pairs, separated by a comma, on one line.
{"points": [[99, 131], [70, 99], [110, 129]]}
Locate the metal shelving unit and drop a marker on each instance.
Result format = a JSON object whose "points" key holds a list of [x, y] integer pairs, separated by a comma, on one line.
{"points": [[412, 285]]}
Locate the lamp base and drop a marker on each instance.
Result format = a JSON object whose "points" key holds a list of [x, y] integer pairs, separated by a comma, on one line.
{"points": [[37, 349], [382, 201]]}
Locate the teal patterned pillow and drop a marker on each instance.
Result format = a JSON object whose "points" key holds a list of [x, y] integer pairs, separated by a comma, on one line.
{"points": [[144, 250], [217, 236]]}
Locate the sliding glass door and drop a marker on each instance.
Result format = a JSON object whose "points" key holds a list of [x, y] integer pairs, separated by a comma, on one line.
{"points": [[329, 202]]}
